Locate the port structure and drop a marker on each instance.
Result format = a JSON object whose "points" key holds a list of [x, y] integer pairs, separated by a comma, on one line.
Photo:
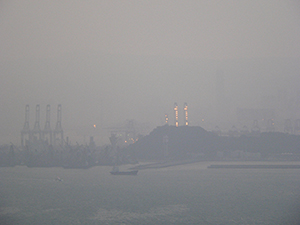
{"points": [[130, 131], [233, 132], [244, 130], [186, 116], [166, 119], [47, 132], [288, 128], [114, 141], [217, 131], [26, 130], [37, 135], [270, 125], [176, 114], [37, 132], [58, 129], [297, 127], [126, 133], [255, 128]]}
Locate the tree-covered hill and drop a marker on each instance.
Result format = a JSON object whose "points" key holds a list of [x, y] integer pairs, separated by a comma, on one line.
{"points": [[188, 142]]}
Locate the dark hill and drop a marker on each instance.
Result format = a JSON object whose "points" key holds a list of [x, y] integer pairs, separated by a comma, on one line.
{"points": [[182, 142], [190, 142]]}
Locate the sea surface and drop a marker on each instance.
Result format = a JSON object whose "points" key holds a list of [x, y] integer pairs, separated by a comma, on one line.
{"points": [[182, 194]]}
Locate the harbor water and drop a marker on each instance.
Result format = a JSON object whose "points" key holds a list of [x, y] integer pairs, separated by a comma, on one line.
{"points": [[181, 194]]}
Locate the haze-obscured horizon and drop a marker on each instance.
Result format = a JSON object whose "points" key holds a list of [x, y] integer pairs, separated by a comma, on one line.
{"points": [[110, 61]]}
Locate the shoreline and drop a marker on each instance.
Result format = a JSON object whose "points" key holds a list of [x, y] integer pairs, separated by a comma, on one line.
{"points": [[222, 164]]}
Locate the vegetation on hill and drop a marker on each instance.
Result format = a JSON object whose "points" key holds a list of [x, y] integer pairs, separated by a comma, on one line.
{"points": [[191, 142]]}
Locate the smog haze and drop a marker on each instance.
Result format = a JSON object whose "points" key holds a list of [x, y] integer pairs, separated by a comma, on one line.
{"points": [[109, 61]]}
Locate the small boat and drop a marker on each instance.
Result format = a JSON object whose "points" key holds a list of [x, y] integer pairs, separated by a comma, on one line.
{"points": [[58, 179], [116, 171]]}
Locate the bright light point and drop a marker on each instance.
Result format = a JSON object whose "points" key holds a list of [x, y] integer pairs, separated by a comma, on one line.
{"points": [[202, 120], [94, 125]]}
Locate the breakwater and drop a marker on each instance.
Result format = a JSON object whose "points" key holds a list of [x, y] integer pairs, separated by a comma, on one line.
{"points": [[254, 167]]}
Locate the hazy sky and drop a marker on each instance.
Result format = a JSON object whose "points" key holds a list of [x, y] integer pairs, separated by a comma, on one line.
{"points": [[108, 61]]}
